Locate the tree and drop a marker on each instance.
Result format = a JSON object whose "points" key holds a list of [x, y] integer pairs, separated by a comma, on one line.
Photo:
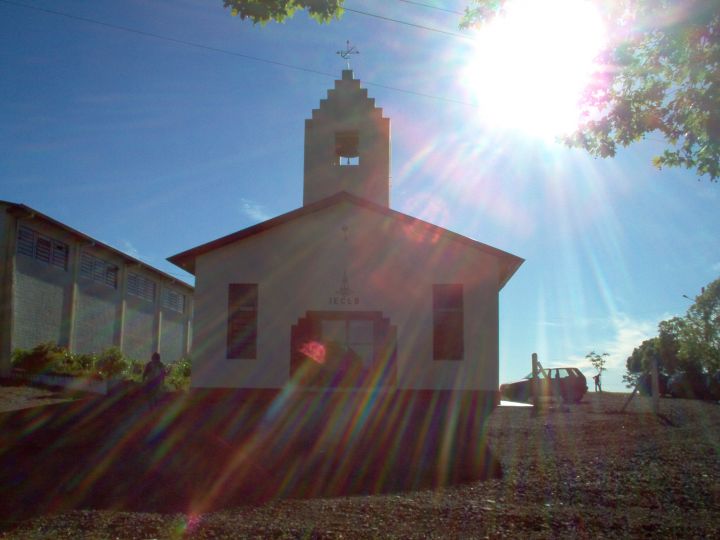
{"points": [[690, 343], [669, 338], [701, 331], [640, 361], [263, 11], [597, 360], [661, 74]]}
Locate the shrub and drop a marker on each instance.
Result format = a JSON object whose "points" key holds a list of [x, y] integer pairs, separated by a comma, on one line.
{"points": [[134, 370], [43, 358], [179, 376], [85, 363], [111, 363]]}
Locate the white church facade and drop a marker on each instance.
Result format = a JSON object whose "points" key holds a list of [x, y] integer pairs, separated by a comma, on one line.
{"points": [[345, 292]]}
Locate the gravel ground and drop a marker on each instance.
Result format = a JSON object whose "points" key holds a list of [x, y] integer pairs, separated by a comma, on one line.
{"points": [[589, 472], [15, 398]]}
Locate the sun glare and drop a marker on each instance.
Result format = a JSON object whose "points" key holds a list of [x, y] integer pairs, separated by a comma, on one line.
{"points": [[531, 63]]}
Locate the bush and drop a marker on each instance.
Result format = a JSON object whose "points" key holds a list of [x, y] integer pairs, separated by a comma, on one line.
{"points": [[111, 363], [85, 362], [75, 364], [134, 370], [43, 358], [179, 376]]}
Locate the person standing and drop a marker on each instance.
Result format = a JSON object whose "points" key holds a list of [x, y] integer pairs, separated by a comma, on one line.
{"points": [[154, 379], [598, 384]]}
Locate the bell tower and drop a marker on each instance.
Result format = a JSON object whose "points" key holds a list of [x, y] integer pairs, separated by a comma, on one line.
{"points": [[347, 146]]}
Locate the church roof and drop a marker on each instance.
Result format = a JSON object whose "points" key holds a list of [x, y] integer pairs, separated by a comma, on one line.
{"points": [[186, 259]]}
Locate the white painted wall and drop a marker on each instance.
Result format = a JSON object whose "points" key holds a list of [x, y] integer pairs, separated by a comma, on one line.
{"points": [[391, 267]]}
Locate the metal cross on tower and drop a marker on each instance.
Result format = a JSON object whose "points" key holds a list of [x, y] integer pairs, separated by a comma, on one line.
{"points": [[348, 52]]}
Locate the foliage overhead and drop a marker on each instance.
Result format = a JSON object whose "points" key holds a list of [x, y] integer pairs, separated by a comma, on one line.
{"points": [[263, 11], [659, 75]]}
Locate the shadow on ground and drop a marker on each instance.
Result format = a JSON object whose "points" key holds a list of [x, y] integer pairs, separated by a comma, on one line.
{"points": [[201, 452]]}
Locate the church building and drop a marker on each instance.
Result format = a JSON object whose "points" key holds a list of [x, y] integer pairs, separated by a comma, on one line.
{"points": [[344, 293]]}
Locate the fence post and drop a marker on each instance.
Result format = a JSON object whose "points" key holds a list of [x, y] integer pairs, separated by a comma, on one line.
{"points": [[534, 384], [655, 387]]}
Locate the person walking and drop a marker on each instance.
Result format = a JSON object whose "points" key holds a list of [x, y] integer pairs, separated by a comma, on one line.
{"points": [[153, 379]]}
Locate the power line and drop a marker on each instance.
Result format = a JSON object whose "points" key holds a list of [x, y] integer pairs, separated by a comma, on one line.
{"points": [[432, 7], [225, 51], [398, 21], [165, 38]]}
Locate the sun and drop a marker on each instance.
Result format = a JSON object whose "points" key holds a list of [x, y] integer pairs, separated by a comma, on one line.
{"points": [[530, 64]]}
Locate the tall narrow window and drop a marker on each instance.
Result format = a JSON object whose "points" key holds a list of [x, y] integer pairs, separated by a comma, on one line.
{"points": [[448, 322], [242, 320]]}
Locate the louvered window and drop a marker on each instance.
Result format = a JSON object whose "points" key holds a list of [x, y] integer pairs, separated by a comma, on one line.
{"points": [[141, 286], [42, 248], [99, 270], [26, 242], [174, 300]]}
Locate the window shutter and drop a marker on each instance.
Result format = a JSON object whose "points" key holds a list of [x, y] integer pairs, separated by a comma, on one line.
{"points": [[242, 321], [448, 336]]}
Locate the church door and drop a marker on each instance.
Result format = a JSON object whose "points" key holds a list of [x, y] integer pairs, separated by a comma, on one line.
{"points": [[343, 349]]}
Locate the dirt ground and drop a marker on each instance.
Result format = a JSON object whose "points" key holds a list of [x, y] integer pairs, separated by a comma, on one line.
{"points": [[585, 472]]}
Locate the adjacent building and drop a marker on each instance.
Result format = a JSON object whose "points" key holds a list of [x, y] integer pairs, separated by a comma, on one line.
{"points": [[62, 286]]}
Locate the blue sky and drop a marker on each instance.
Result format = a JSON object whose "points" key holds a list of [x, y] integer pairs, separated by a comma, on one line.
{"points": [[155, 146]]}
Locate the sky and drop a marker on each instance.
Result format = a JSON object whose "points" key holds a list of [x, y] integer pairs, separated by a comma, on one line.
{"points": [[156, 126]]}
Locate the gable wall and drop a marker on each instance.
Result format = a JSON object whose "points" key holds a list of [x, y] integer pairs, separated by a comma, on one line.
{"points": [[391, 268]]}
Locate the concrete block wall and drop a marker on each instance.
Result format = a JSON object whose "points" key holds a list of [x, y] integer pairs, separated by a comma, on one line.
{"points": [[41, 302]]}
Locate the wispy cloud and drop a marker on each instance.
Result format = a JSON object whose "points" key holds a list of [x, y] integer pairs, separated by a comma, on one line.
{"points": [[130, 249], [627, 334], [253, 210]]}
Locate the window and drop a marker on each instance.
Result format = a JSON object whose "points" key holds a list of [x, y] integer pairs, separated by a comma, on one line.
{"points": [[242, 320], [97, 269], [448, 322], [174, 300], [347, 148], [141, 286], [42, 248]]}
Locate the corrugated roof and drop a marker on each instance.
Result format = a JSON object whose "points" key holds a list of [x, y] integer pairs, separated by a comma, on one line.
{"points": [[31, 212]]}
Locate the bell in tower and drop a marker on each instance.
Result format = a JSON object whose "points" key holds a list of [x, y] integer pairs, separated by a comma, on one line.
{"points": [[347, 146]]}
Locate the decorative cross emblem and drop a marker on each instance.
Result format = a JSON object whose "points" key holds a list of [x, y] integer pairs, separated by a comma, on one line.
{"points": [[344, 289], [348, 52]]}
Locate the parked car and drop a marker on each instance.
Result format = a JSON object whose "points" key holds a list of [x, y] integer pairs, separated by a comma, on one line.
{"points": [[568, 382]]}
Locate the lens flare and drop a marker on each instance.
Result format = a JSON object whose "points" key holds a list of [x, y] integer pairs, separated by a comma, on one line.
{"points": [[315, 351], [532, 62]]}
